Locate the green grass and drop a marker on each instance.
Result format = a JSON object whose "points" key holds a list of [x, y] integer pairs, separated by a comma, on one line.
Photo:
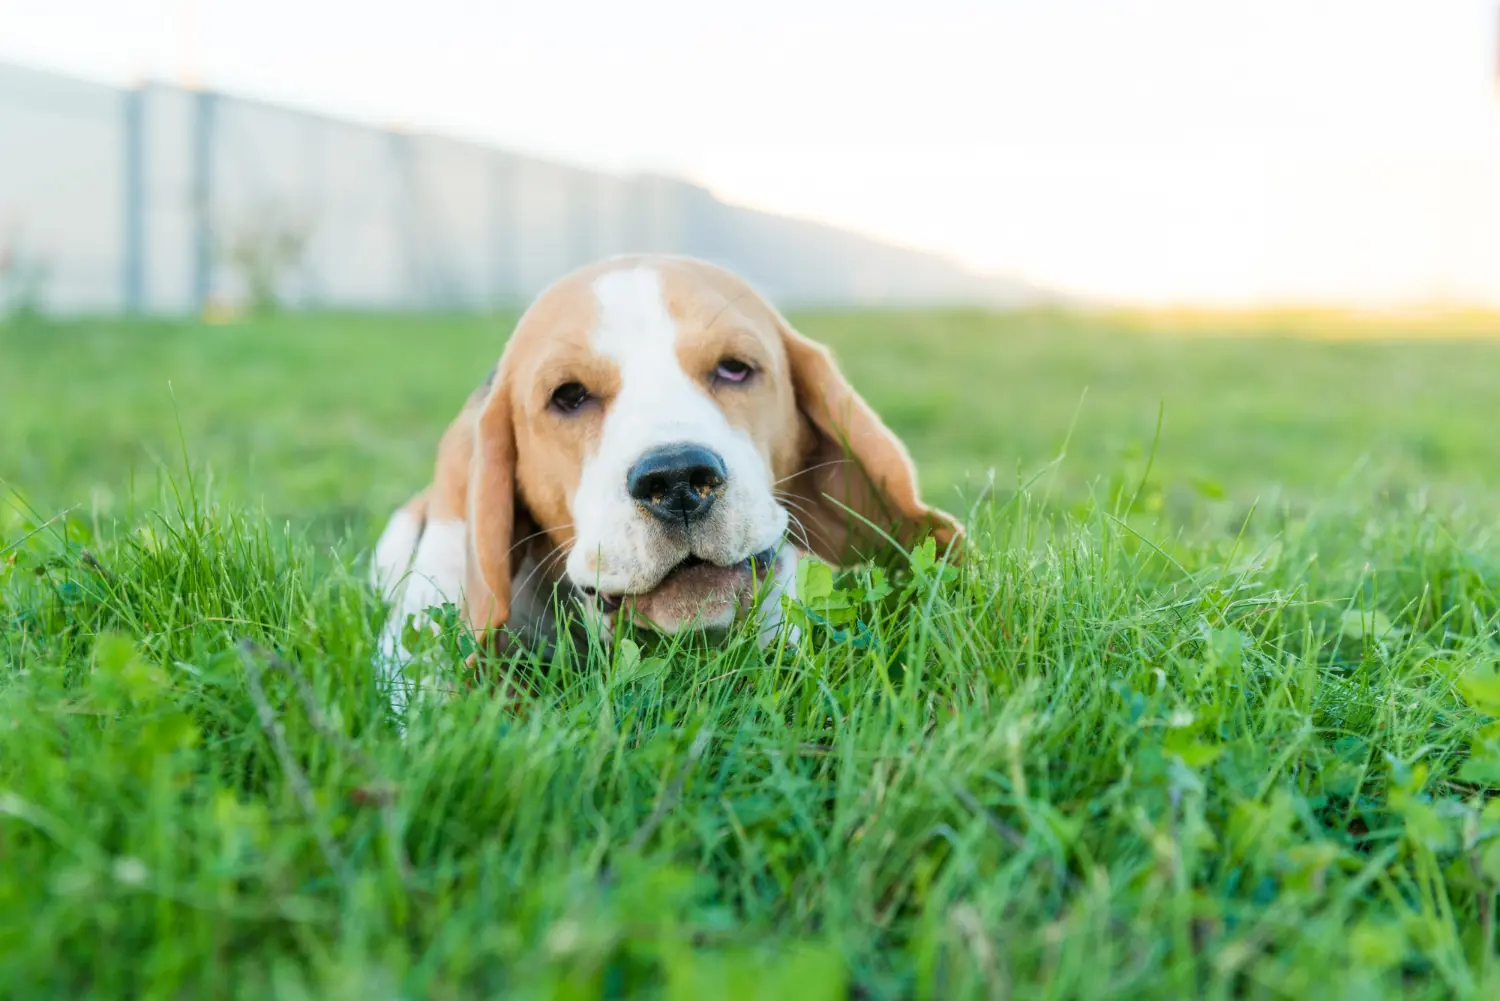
{"points": [[1220, 727]]}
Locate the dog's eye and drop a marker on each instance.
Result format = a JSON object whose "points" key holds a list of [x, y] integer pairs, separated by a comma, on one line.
{"points": [[734, 371], [569, 397]]}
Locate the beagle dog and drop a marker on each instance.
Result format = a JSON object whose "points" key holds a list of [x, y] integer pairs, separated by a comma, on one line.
{"points": [[656, 442]]}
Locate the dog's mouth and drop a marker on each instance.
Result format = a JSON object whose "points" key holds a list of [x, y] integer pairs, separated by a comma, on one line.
{"points": [[681, 574]]}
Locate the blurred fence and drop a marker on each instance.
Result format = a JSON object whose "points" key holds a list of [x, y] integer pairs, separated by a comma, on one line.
{"points": [[163, 200]]}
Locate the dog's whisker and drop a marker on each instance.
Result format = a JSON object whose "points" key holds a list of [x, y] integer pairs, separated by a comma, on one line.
{"points": [[533, 535], [804, 530], [796, 504], [798, 532], [810, 469], [546, 565]]}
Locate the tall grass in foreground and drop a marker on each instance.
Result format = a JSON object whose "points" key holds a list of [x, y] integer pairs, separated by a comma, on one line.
{"points": [[1095, 762]]}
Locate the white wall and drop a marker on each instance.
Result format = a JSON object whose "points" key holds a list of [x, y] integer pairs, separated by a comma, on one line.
{"points": [[392, 221]]}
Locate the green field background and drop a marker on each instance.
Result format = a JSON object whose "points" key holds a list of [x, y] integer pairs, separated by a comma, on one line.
{"points": [[329, 420]]}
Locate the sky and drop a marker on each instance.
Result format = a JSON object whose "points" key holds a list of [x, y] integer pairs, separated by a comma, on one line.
{"points": [[1152, 151]]}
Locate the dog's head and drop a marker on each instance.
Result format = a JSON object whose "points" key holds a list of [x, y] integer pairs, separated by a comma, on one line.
{"points": [[670, 437]]}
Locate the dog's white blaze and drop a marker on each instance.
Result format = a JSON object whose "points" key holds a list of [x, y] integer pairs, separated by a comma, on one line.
{"points": [[435, 576], [619, 548]]}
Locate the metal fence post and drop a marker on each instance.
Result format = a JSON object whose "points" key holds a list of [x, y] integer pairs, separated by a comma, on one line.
{"points": [[504, 221], [582, 207], [133, 201], [204, 119], [407, 223]]}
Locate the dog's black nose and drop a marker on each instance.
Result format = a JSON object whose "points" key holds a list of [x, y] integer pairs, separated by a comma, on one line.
{"points": [[677, 483]]}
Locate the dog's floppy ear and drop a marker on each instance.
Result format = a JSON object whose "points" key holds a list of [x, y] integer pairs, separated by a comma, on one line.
{"points": [[490, 467], [856, 479]]}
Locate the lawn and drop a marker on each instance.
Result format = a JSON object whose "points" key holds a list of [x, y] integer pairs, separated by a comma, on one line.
{"points": [[1210, 715]]}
